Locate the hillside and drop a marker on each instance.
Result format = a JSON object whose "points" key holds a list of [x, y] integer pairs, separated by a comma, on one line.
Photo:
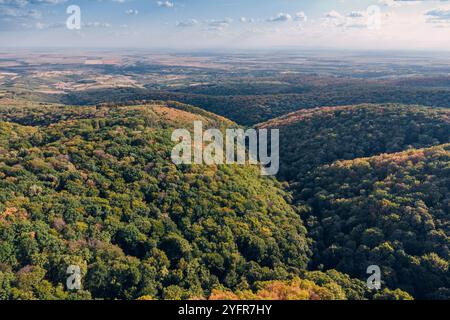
{"points": [[390, 210], [250, 106], [97, 189], [310, 138]]}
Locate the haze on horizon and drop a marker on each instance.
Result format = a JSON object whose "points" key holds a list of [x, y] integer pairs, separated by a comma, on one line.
{"points": [[232, 24]]}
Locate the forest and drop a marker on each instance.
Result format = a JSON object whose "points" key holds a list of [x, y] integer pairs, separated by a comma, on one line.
{"points": [[94, 187], [248, 103], [375, 181], [389, 210]]}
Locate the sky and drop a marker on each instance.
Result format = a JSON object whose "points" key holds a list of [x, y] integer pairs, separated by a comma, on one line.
{"points": [[232, 24]]}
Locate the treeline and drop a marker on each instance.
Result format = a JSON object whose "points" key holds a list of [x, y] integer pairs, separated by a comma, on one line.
{"points": [[250, 109], [315, 285], [311, 138]]}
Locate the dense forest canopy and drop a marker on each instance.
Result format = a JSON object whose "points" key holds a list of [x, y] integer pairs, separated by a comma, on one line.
{"points": [[310, 138], [257, 99], [94, 186], [391, 210], [98, 190]]}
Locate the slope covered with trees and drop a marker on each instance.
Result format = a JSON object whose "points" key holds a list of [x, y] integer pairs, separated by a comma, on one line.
{"points": [[251, 108], [389, 210], [97, 189], [310, 138]]}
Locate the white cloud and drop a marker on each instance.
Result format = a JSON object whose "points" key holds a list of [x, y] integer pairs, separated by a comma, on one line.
{"points": [[132, 12], [281, 17], [187, 23], [246, 20], [356, 14], [22, 3], [389, 3], [19, 13], [97, 24], [300, 16], [400, 3], [165, 4], [353, 19], [333, 19], [218, 25], [439, 15], [333, 14], [18, 3]]}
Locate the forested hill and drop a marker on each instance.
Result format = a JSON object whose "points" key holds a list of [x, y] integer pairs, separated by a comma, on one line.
{"points": [[248, 105], [103, 193], [160, 113], [391, 210], [310, 138], [95, 187]]}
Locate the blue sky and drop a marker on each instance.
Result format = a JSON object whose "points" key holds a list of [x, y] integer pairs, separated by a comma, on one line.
{"points": [[241, 24]]}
